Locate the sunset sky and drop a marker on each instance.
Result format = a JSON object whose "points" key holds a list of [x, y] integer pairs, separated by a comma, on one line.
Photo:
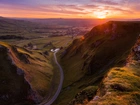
{"points": [[70, 8]]}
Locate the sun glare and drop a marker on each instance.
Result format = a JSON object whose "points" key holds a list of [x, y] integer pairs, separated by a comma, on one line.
{"points": [[100, 15], [82, 38]]}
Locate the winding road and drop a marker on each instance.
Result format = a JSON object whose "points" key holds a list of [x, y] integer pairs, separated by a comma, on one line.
{"points": [[60, 84]]}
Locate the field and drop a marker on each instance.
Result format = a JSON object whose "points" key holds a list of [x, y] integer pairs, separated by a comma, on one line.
{"points": [[31, 28], [61, 41]]}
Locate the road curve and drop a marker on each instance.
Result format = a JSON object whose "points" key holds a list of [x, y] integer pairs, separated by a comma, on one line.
{"points": [[60, 83]]}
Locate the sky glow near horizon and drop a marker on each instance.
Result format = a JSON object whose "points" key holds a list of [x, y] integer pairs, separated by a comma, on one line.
{"points": [[70, 8]]}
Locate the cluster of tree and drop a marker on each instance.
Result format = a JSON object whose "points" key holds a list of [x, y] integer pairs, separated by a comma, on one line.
{"points": [[12, 37]]}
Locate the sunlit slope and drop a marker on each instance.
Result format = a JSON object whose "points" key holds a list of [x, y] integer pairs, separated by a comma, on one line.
{"points": [[25, 75], [87, 60], [103, 46], [121, 84]]}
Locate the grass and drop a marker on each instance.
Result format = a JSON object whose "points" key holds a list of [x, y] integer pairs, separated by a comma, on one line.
{"points": [[120, 86], [85, 63], [87, 60], [62, 41], [38, 69], [55, 80], [13, 87], [38, 73]]}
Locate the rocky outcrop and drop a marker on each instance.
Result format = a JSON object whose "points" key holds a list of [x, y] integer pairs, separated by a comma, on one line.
{"points": [[84, 96], [14, 89], [20, 71]]}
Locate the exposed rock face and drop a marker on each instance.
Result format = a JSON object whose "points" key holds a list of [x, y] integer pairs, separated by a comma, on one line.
{"points": [[84, 96], [25, 76], [22, 57], [135, 55], [14, 88], [20, 71]]}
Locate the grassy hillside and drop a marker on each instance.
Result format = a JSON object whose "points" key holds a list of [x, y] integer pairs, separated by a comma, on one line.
{"points": [[87, 60], [25, 76], [121, 84]]}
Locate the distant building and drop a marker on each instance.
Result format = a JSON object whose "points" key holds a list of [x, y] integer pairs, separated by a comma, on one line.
{"points": [[55, 50]]}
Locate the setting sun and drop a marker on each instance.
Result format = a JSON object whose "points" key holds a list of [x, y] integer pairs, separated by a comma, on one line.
{"points": [[69, 52], [101, 14]]}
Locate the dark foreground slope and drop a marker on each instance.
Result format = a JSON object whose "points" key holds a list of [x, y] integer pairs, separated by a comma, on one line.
{"points": [[87, 60], [25, 76]]}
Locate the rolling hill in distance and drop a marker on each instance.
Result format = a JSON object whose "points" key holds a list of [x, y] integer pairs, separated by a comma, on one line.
{"points": [[99, 58], [37, 28], [15, 27]]}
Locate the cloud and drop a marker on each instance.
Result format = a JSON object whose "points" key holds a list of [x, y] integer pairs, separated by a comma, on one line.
{"points": [[67, 9], [105, 2], [110, 8]]}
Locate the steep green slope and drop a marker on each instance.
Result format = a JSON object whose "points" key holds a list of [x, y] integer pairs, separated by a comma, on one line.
{"points": [[121, 85], [87, 60], [25, 75]]}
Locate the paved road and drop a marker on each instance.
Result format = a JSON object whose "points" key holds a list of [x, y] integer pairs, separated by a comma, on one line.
{"points": [[60, 84]]}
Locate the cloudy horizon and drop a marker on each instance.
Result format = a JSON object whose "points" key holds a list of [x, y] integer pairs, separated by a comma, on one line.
{"points": [[70, 9]]}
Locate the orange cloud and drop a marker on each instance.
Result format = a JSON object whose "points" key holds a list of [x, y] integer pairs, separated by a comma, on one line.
{"points": [[109, 10]]}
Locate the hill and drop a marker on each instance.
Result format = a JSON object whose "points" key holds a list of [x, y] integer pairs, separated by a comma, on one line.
{"points": [[87, 60], [24, 29], [14, 27], [121, 84], [69, 22], [25, 76]]}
